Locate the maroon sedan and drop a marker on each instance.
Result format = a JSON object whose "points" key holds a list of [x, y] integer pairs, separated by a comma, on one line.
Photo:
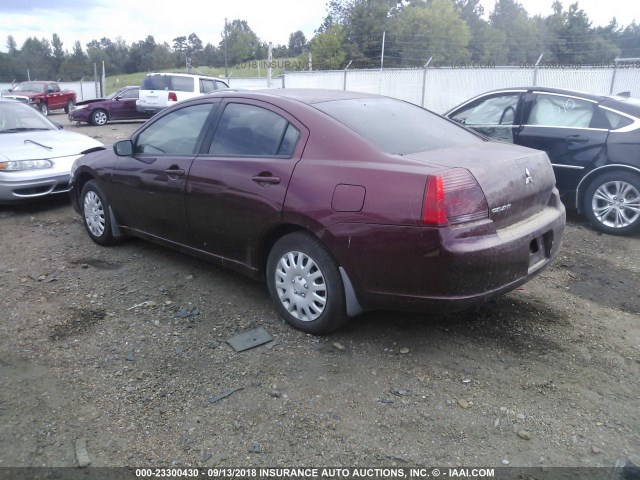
{"points": [[343, 202], [120, 105]]}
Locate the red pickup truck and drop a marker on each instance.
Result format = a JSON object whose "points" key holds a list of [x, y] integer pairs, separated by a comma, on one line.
{"points": [[44, 96]]}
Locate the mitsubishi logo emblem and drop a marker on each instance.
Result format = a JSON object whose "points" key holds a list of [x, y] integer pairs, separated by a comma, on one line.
{"points": [[527, 177]]}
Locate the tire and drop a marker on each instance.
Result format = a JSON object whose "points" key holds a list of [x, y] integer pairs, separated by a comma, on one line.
{"points": [[612, 202], [305, 284], [95, 214], [69, 106], [99, 118], [44, 109]]}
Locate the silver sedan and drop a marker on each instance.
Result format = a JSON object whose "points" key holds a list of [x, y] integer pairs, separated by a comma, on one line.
{"points": [[35, 154]]}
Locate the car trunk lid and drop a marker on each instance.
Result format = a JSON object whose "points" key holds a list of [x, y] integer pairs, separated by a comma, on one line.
{"points": [[516, 181]]}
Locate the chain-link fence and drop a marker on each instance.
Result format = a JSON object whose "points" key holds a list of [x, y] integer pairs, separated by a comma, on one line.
{"points": [[442, 88]]}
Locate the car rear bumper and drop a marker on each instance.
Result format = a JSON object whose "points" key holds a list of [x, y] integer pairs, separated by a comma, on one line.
{"points": [[148, 109], [444, 269]]}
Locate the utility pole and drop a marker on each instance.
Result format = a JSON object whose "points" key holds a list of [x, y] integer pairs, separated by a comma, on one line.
{"points": [[226, 71]]}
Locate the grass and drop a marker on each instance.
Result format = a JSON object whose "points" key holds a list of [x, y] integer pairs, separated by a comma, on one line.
{"points": [[250, 69]]}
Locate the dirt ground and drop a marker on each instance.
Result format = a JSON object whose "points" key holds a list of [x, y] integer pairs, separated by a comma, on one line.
{"points": [[124, 348]]}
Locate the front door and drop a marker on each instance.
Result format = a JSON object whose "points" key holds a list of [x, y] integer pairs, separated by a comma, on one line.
{"points": [[149, 186]]}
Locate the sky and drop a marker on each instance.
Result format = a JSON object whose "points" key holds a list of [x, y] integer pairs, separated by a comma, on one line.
{"points": [[271, 20]]}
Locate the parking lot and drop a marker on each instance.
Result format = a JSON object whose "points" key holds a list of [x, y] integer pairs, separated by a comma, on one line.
{"points": [[124, 348]]}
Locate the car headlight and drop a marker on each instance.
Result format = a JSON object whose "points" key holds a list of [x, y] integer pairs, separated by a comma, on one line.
{"points": [[79, 107], [17, 165]]}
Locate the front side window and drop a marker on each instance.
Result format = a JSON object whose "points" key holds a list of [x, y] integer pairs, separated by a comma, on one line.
{"points": [[559, 111], [251, 131], [131, 93], [499, 110], [176, 133]]}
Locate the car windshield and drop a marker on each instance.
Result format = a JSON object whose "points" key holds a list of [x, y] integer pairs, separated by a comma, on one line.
{"points": [[30, 87], [18, 117], [397, 127]]}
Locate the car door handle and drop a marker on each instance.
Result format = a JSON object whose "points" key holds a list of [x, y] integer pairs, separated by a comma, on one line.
{"points": [[575, 139], [266, 179], [174, 172]]}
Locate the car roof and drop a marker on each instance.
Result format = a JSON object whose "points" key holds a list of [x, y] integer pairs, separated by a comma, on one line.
{"points": [[308, 96], [623, 103]]}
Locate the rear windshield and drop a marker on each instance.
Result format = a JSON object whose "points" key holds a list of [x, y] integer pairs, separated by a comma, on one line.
{"points": [[168, 82], [155, 82], [397, 127]]}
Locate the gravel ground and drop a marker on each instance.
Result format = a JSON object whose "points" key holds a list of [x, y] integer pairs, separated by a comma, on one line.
{"points": [[124, 348]]}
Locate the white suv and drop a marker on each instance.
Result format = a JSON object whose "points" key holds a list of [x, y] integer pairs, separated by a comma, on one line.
{"points": [[162, 90]]}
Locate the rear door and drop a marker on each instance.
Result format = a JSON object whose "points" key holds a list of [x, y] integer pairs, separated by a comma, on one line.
{"points": [[572, 130], [236, 190], [149, 186]]}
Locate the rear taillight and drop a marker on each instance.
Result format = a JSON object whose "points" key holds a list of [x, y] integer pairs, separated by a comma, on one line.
{"points": [[173, 97], [453, 197]]}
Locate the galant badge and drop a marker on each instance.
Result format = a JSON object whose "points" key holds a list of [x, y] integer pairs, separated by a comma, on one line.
{"points": [[527, 177]]}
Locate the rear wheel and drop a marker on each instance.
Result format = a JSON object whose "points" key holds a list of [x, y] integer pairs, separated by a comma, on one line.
{"points": [[44, 108], [69, 106], [95, 214], [305, 284], [99, 117], [612, 202]]}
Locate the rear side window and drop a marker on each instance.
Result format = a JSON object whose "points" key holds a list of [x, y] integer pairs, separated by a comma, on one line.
{"points": [[251, 131], [182, 84], [207, 86], [397, 127], [615, 120]]}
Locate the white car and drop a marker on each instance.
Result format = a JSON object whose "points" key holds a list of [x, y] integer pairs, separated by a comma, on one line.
{"points": [[36, 155], [162, 90]]}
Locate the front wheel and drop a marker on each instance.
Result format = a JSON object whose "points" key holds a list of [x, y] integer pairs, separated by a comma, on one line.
{"points": [[95, 213], [305, 284], [99, 117], [612, 202], [44, 108]]}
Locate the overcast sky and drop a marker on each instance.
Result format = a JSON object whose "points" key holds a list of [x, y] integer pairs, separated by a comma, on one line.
{"points": [[271, 20]]}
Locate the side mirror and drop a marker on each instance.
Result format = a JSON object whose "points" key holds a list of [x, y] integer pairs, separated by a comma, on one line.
{"points": [[123, 148]]}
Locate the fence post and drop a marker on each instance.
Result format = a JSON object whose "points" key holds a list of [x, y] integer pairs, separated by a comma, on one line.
{"points": [[535, 71], [424, 80], [344, 83], [613, 75]]}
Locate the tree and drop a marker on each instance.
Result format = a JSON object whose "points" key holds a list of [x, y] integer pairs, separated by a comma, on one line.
{"points": [[76, 65], [327, 49], [242, 43], [35, 56], [486, 44], [522, 40], [364, 22], [431, 30], [297, 43], [12, 47], [58, 55]]}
